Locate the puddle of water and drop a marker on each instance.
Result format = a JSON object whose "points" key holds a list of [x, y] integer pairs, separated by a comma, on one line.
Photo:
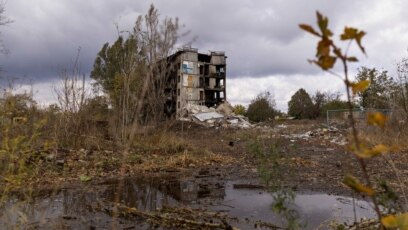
{"points": [[313, 208], [76, 208]]}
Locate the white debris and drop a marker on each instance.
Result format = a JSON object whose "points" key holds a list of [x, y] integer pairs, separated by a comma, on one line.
{"points": [[225, 108], [208, 116], [233, 121], [222, 116]]}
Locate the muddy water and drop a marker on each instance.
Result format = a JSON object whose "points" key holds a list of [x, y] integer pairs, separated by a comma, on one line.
{"points": [[85, 208]]}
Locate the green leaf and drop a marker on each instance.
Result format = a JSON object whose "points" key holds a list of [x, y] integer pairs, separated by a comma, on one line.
{"points": [[354, 184], [84, 178], [399, 221], [309, 29]]}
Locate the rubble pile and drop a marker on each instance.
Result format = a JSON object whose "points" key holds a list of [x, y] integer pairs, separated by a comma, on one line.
{"points": [[221, 116]]}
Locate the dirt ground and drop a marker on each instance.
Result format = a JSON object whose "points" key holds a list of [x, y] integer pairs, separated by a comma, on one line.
{"points": [[316, 157], [307, 155], [311, 157]]}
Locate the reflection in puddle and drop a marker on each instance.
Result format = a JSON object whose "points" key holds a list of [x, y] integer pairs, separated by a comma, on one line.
{"points": [[81, 208], [314, 208]]}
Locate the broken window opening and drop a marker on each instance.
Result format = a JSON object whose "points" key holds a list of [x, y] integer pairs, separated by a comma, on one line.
{"points": [[207, 82], [201, 95], [201, 83], [206, 69], [201, 69], [220, 70]]}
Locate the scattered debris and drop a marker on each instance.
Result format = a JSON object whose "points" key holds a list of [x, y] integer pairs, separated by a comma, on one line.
{"points": [[175, 217], [332, 134], [221, 116]]}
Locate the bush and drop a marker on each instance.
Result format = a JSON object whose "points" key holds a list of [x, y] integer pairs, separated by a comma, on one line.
{"points": [[301, 105], [239, 110], [261, 108]]}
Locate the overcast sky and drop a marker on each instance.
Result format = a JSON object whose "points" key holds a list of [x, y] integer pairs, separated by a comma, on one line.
{"points": [[265, 48]]}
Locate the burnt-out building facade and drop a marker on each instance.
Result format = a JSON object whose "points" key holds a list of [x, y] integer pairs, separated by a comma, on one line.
{"points": [[196, 79]]}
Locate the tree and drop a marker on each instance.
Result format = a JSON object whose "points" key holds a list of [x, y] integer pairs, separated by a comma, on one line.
{"points": [[323, 101], [301, 105], [71, 91], [336, 104], [402, 86], [134, 71], [16, 105], [381, 90], [4, 20], [261, 108], [118, 67], [319, 100]]}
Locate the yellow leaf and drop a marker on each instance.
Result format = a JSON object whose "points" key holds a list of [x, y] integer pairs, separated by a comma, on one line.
{"points": [[323, 47], [349, 33], [359, 86], [326, 62], [352, 59], [379, 149], [323, 23], [353, 34], [368, 153], [376, 119], [399, 221], [354, 184]]}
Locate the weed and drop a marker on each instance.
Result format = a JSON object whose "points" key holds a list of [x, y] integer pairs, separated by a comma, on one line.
{"points": [[327, 54], [271, 168]]}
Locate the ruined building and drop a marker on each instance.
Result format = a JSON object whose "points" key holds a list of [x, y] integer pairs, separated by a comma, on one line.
{"points": [[197, 79]]}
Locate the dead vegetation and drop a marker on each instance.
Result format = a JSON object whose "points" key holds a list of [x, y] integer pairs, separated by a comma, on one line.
{"points": [[85, 141]]}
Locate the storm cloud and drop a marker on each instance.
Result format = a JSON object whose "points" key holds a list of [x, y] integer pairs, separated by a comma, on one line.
{"points": [[261, 38]]}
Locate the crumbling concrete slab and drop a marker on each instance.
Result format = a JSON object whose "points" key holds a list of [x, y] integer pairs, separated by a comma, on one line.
{"points": [[208, 116]]}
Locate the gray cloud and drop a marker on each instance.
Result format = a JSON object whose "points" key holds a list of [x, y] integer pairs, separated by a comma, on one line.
{"points": [[261, 38]]}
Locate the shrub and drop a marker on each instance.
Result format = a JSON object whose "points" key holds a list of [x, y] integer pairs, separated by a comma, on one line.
{"points": [[239, 109], [301, 105], [261, 108]]}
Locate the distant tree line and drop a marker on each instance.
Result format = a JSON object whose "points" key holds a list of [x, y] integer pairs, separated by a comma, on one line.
{"points": [[384, 92]]}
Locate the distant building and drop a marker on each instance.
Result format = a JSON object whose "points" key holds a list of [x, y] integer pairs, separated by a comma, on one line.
{"points": [[198, 79]]}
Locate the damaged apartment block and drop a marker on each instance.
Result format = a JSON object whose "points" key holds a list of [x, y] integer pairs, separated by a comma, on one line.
{"points": [[198, 79]]}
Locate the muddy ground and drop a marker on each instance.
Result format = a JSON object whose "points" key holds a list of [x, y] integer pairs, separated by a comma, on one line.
{"points": [[315, 156], [311, 158]]}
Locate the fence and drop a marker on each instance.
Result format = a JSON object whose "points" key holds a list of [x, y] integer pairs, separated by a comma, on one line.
{"points": [[343, 115]]}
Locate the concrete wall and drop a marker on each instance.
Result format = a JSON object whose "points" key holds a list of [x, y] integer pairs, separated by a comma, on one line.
{"points": [[218, 60]]}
